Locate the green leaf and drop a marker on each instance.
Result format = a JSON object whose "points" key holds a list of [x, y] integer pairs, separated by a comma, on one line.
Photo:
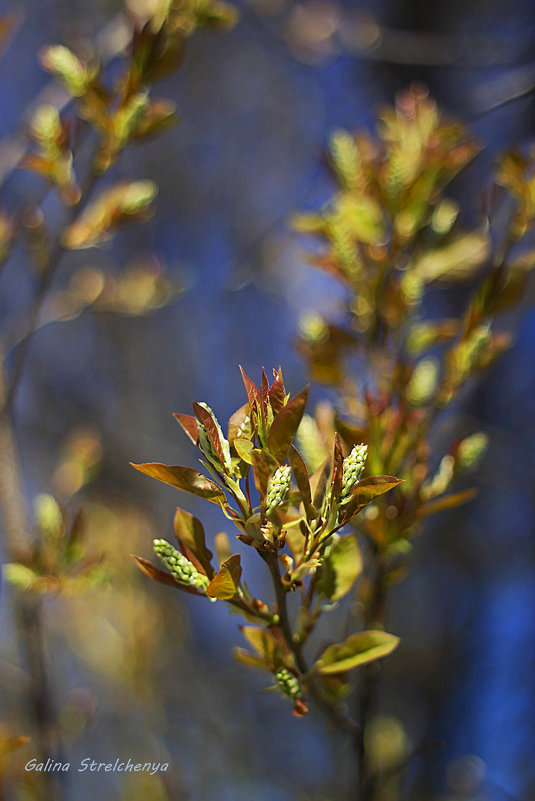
{"points": [[358, 649], [183, 478], [250, 660], [265, 644], [224, 586], [285, 425], [340, 569], [190, 532], [244, 449]]}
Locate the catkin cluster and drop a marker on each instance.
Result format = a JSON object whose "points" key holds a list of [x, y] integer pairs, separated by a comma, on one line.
{"points": [[353, 469], [180, 567], [277, 488]]}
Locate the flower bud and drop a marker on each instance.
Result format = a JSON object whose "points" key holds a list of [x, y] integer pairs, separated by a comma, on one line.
{"points": [[353, 469], [277, 488], [180, 567]]}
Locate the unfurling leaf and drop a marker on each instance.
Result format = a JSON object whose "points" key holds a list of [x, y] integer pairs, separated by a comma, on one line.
{"points": [[189, 426], [358, 649], [183, 478], [225, 584]]}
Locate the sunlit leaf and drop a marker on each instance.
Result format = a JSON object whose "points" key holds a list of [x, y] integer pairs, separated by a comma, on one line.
{"points": [[225, 584], [357, 650]]}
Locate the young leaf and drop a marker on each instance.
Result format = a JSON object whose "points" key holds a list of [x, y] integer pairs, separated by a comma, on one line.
{"points": [[277, 393], [239, 425], [265, 644], [285, 426], [190, 532], [206, 419], [253, 394], [365, 492], [244, 449], [183, 478], [358, 649], [224, 586]]}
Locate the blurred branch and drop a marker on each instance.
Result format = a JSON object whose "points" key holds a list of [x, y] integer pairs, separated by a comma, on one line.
{"points": [[110, 42]]}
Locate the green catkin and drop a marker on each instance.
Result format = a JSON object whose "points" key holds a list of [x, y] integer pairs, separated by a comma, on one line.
{"points": [[353, 469], [277, 488], [180, 567], [288, 684]]}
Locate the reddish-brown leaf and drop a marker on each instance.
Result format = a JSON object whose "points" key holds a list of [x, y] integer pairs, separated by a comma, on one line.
{"points": [[338, 466], [204, 417], [189, 425], [253, 393], [183, 478], [285, 426], [277, 393], [189, 532]]}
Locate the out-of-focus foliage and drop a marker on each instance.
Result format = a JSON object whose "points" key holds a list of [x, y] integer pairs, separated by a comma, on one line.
{"points": [[64, 566]]}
